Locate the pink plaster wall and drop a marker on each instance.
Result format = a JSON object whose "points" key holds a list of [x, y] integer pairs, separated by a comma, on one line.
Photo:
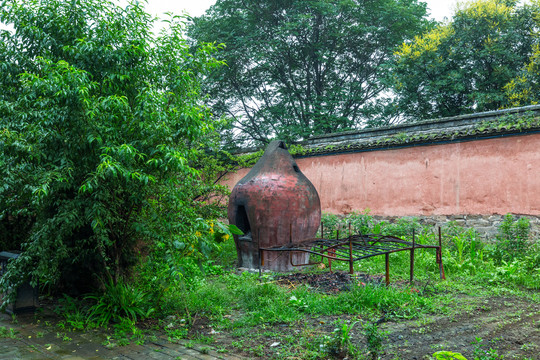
{"points": [[492, 176]]}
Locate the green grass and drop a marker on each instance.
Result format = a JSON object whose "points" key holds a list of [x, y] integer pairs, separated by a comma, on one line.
{"points": [[8, 333], [261, 301], [473, 270], [468, 267], [253, 309]]}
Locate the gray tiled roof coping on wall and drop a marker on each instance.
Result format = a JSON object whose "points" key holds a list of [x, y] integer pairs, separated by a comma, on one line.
{"points": [[421, 126]]}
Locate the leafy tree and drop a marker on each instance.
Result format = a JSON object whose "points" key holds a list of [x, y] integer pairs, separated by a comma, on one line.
{"points": [[524, 89], [101, 131], [296, 68], [462, 66]]}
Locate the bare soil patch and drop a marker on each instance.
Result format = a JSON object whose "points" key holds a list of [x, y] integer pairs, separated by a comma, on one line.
{"points": [[507, 324], [327, 282]]}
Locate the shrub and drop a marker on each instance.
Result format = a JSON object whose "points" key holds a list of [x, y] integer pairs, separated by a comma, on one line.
{"points": [[512, 238], [402, 228], [103, 140], [117, 302], [358, 222]]}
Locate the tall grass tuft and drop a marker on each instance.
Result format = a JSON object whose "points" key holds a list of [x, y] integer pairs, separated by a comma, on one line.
{"points": [[118, 301]]}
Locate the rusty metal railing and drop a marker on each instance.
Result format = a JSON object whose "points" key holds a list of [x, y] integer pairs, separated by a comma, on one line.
{"points": [[355, 248]]}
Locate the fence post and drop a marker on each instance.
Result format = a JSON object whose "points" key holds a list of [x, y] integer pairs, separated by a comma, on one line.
{"points": [[412, 258], [439, 257], [351, 264], [387, 261]]}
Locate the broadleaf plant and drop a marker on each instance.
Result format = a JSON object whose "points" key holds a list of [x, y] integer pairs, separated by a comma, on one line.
{"points": [[102, 139]]}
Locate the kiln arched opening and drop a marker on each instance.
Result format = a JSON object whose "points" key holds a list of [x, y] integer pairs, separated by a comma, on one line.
{"points": [[242, 222]]}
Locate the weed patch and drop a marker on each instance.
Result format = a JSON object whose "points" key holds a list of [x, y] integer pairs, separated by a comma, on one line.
{"points": [[316, 314]]}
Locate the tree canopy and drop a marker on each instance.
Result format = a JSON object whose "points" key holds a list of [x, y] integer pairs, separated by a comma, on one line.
{"points": [[524, 88], [296, 68], [101, 131], [464, 65]]}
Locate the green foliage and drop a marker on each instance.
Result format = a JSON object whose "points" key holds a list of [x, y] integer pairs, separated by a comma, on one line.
{"points": [[497, 261], [524, 88], [8, 333], [299, 68], [463, 66], [74, 312], [402, 227], [339, 344], [14, 230], [512, 239], [102, 138], [126, 331], [264, 302], [168, 275], [246, 303], [119, 301], [448, 355], [510, 258], [356, 222], [117, 307], [171, 278], [330, 224], [467, 248], [362, 222], [480, 353], [374, 338]]}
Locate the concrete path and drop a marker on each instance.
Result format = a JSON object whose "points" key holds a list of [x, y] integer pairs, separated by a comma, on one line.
{"points": [[33, 337]]}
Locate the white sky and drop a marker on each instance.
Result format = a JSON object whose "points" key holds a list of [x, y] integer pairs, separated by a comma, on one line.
{"points": [[438, 8]]}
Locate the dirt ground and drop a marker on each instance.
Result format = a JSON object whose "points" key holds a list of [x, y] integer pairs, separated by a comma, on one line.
{"points": [[510, 325]]}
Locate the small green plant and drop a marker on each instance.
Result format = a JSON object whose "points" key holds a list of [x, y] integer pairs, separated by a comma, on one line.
{"points": [[480, 353], [512, 239], [460, 242], [238, 344], [357, 222], [109, 342], [448, 355], [123, 342], [330, 224], [127, 330], [119, 301], [402, 227], [360, 222], [176, 334], [374, 339], [528, 346], [298, 303], [205, 350], [256, 350], [8, 333], [73, 312], [339, 343]]}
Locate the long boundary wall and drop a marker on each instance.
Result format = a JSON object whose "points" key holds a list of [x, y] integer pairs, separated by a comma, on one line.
{"points": [[471, 181], [481, 177]]}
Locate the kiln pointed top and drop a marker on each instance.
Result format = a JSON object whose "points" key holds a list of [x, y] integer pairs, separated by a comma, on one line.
{"points": [[276, 159]]}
